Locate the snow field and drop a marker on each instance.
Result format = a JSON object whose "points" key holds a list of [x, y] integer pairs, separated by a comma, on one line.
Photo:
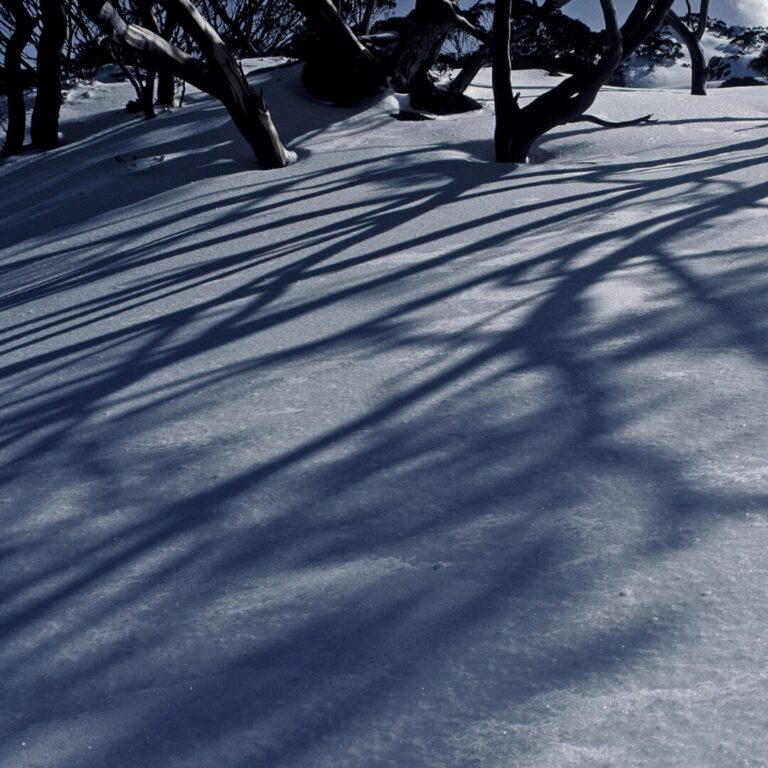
{"points": [[395, 457]]}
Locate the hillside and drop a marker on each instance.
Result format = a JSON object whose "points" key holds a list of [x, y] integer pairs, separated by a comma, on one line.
{"points": [[396, 457]]}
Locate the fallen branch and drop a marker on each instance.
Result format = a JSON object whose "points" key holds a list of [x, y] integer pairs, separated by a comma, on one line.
{"points": [[611, 123]]}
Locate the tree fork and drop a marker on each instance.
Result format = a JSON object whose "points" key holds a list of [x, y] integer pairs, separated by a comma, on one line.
{"points": [[692, 41]]}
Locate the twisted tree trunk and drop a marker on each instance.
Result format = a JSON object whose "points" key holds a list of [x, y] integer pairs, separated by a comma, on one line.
{"points": [[344, 71], [517, 128], [218, 75], [429, 24]]}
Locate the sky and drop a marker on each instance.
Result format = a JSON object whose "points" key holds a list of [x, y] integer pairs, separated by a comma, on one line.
{"points": [[745, 12]]}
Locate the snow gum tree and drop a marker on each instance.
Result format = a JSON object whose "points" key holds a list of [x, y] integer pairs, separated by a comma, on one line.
{"points": [[517, 128], [342, 69], [216, 72]]}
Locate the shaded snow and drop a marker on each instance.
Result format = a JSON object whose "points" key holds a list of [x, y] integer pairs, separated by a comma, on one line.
{"points": [[395, 457]]}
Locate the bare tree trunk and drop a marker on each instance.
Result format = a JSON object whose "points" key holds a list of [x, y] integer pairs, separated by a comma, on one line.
{"points": [[365, 24], [166, 83], [242, 40], [482, 56], [147, 94], [517, 128], [166, 89], [701, 26], [505, 101], [45, 115], [246, 108], [219, 76], [342, 70], [479, 59], [429, 24], [17, 112], [692, 41]]}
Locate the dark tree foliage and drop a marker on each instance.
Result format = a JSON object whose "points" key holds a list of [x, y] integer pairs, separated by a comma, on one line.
{"points": [[659, 49], [749, 39], [560, 43], [363, 15], [759, 64]]}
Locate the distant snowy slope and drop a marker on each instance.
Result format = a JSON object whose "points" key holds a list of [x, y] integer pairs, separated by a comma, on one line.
{"points": [[395, 458]]}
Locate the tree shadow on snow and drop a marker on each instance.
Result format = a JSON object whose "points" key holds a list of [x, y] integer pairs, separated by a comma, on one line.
{"points": [[344, 487]]}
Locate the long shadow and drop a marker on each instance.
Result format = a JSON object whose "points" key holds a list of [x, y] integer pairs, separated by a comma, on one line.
{"points": [[223, 549]]}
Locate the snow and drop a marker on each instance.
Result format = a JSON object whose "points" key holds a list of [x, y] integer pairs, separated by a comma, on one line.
{"points": [[394, 457]]}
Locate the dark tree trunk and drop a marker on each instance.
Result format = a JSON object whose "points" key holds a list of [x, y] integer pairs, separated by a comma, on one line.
{"points": [[429, 24], [147, 95], [365, 24], [341, 69], [701, 26], [246, 107], [17, 112], [692, 41], [237, 34], [482, 56], [479, 59], [166, 83], [505, 101], [166, 89], [45, 115], [518, 128]]}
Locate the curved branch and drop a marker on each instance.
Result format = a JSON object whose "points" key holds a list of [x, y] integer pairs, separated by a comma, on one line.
{"points": [[220, 76], [149, 46], [612, 123], [692, 42]]}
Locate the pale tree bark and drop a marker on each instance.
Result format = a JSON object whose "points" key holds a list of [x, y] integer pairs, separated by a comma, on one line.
{"points": [[517, 128], [218, 74], [17, 112], [166, 83]]}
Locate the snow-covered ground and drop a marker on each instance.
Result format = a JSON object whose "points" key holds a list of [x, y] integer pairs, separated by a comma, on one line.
{"points": [[396, 457], [677, 74]]}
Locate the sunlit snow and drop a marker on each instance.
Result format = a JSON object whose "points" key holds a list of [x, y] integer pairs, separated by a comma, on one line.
{"points": [[397, 457]]}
